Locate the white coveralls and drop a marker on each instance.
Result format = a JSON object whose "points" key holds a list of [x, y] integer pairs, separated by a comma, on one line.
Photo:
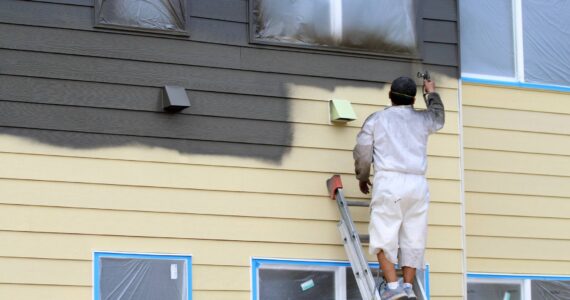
{"points": [[395, 140]]}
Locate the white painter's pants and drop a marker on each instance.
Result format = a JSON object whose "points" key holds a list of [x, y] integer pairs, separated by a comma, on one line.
{"points": [[398, 217]]}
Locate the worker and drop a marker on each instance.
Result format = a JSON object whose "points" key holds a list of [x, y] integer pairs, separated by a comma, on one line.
{"points": [[395, 141]]}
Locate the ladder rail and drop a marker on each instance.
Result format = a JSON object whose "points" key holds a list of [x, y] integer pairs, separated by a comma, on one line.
{"points": [[351, 238]]}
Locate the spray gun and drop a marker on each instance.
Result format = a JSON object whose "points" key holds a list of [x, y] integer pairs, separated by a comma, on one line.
{"points": [[425, 75]]}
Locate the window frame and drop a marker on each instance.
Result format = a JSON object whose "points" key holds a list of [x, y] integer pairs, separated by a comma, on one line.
{"points": [[419, 36], [340, 268], [524, 280], [184, 33], [519, 79], [96, 271]]}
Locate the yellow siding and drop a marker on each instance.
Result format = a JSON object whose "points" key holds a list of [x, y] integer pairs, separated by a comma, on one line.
{"points": [[222, 210], [517, 180]]}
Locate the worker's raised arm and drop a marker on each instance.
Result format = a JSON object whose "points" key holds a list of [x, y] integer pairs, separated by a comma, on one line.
{"points": [[363, 150], [435, 109]]}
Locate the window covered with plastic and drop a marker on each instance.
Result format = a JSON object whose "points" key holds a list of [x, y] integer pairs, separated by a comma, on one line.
{"points": [[154, 15], [516, 40], [493, 291], [283, 284], [487, 42], [139, 277], [378, 26], [546, 30], [550, 290]]}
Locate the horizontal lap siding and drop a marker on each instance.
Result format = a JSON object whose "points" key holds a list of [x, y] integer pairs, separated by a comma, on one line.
{"points": [[91, 163], [517, 146]]}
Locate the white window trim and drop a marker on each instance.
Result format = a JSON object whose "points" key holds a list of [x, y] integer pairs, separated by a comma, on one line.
{"points": [[336, 19], [527, 288], [518, 39]]}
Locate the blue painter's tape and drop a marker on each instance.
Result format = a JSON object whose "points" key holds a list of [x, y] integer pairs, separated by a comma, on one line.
{"points": [[426, 282], [97, 266], [525, 85]]}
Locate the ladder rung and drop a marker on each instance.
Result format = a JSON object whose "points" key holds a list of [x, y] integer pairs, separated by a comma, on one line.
{"points": [[357, 203], [365, 238]]}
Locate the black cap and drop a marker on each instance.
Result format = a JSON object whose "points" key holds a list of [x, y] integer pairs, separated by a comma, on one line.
{"points": [[404, 86]]}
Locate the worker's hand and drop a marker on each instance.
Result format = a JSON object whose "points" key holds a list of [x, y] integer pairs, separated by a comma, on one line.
{"points": [[365, 186], [429, 86]]}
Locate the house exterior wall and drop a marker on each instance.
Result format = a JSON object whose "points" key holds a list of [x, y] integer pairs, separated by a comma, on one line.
{"points": [[89, 161], [516, 145]]}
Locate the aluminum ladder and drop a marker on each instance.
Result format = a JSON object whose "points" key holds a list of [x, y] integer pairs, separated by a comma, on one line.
{"points": [[353, 241]]}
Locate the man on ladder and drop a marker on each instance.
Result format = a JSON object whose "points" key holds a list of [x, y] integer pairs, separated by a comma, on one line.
{"points": [[395, 141]]}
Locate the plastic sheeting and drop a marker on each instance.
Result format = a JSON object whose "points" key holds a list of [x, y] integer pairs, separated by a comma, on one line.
{"points": [[383, 26], [285, 284], [168, 15], [550, 290], [142, 279], [487, 45], [493, 291], [546, 41]]}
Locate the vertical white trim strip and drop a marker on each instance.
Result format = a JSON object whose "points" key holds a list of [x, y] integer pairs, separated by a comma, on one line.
{"points": [[336, 19], [340, 276], [461, 159], [519, 41], [527, 292], [462, 187]]}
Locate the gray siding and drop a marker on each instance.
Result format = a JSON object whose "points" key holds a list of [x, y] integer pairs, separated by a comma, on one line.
{"points": [[64, 82]]}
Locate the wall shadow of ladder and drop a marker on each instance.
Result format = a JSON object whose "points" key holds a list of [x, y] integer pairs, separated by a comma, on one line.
{"points": [[353, 241]]}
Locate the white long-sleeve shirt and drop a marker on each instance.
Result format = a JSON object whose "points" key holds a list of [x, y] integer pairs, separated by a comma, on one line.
{"points": [[395, 139]]}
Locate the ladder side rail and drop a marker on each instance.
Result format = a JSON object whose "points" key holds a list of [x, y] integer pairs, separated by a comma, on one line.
{"points": [[421, 292], [357, 268], [355, 239]]}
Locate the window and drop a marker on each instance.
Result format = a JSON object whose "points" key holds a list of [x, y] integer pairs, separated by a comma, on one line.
{"points": [[141, 276], [524, 41], [494, 289], [373, 26], [278, 279], [517, 287], [166, 16]]}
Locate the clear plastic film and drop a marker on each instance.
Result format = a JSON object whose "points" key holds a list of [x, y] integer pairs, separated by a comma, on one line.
{"points": [[165, 15], [487, 45], [550, 290], [546, 41], [142, 279], [306, 284], [383, 26], [491, 291]]}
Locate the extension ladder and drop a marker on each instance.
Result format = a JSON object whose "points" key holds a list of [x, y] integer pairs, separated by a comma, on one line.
{"points": [[353, 245]]}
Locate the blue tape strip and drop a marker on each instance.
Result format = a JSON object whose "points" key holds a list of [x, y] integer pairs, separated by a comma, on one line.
{"points": [[97, 267], [426, 282], [517, 84]]}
